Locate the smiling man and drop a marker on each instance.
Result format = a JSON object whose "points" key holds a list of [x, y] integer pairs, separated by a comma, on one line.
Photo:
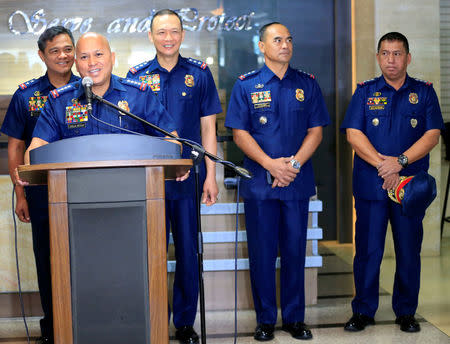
{"points": [[277, 114], [65, 114], [392, 123], [56, 50], [186, 89]]}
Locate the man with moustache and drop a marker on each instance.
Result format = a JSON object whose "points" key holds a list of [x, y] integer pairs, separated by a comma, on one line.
{"points": [[277, 114], [56, 50], [186, 89], [392, 123], [65, 114]]}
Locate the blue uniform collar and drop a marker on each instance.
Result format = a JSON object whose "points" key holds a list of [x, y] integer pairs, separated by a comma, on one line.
{"points": [[267, 74], [113, 84], [381, 83], [154, 65], [46, 84]]}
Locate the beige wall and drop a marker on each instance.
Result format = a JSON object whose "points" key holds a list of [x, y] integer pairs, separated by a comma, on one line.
{"points": [[419, 20]]}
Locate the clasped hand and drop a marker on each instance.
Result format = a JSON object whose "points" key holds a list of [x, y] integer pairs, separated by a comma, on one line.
{"points": [[389, 169], [282, 171]]}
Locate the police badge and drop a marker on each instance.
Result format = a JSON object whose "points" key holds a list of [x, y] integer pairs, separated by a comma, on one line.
{"points": [[299, 95], [123, 104], [413, 98], [189, 80]]}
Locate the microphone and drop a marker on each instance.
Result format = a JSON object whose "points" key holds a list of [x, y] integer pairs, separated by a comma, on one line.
{"points": [[243, 172], [87, 83]]}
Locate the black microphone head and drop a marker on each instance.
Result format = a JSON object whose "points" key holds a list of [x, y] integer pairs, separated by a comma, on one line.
{"points": [[243, 172], [87, 81]]}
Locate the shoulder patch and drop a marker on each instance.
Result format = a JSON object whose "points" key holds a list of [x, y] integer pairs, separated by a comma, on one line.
{"points": [[366, 82], [243, 76], [428, 83], [304, 73], [140, 66], [197, 63], [59, 91], [28, 83], [139, 85]]}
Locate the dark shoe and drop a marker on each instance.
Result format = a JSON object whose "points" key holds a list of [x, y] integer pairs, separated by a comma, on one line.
{"points": [[44, 340], [408, 323], [358, 322], [186, 335], [298, 330], [264, 332]]}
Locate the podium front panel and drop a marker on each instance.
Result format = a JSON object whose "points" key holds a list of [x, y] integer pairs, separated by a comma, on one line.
{"points": [[108, 256]]}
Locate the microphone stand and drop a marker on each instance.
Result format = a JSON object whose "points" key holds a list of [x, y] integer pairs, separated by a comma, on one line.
{"points": [[197, 155]]}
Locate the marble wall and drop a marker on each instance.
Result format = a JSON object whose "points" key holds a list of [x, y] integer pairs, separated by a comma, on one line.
{"points": [[8, 275]]}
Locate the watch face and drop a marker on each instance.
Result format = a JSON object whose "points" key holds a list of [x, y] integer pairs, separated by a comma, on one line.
{"points": [[295, 164], [403, 160]]}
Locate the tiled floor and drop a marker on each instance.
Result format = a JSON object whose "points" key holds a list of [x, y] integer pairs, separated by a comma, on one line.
{"points": [[327, 318]]}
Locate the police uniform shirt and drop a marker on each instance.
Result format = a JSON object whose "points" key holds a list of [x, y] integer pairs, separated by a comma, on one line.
{"points": [[188, 93], [392, 121], [65, 114], [26, 106], [277, 114]]}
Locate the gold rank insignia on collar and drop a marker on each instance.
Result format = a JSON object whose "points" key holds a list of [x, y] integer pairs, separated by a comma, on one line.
{"points": [[152, 80], [299, 94], [189, 80], [413, 98]]}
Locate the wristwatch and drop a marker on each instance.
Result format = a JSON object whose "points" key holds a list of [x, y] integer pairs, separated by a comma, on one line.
{"points": [[403, 160], [295, 164]]}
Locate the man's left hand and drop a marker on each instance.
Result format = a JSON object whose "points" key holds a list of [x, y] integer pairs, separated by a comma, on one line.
{"points": [[388, 166]]}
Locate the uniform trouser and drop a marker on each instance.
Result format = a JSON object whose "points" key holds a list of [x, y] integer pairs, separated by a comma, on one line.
{"points": [[371, 225], [181, 220], [37, 199], [273, 224]]}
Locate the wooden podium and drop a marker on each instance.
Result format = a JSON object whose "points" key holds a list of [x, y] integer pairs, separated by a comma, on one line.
{"points": [[108, 248]]}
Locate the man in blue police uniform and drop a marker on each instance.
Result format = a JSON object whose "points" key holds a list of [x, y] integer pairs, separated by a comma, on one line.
{"points": [[392, 123], [56, 50], [186, 89], [65, 114], [277, 114]]}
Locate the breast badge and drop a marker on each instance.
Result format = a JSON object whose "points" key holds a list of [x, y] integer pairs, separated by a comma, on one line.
{"points": [[261, 99], [413, 98], [375, 122], [299, 95], [259, 86], [413, 122], [189, 80], [263, 120], [123, 104], [152, 80]]}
